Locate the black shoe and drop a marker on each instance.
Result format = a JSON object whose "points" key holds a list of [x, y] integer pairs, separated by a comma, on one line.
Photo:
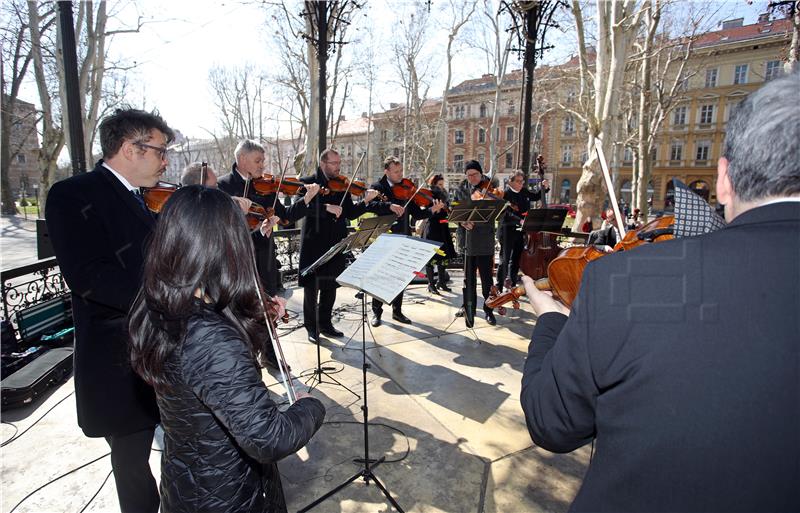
{"points": [[330, 331], [469, 320], [312, 338], [399, 317], [433, 290], [375, 321], [444, 287], [460, 312], [490, 318]]}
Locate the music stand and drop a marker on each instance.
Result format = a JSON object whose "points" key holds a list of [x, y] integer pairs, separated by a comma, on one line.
{"points": [[548, 220], [405, 254], [477, 212]]}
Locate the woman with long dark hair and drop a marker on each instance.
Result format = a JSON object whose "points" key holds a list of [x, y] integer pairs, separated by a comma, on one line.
{"points": [[197, 328], [438, 229]]}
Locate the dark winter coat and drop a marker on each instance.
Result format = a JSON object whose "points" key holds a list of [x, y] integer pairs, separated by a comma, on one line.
{"points": [[322, 230], [99, 232], [222, 433], [403, 224], [681, 359], [438, 229], [480, 240]]}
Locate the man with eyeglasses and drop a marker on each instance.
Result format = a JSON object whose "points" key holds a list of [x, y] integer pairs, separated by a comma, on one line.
{"points": [[99, 225], [477, 244]]}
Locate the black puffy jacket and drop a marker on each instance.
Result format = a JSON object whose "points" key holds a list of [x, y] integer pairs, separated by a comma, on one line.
{"points": [[222, 432]]}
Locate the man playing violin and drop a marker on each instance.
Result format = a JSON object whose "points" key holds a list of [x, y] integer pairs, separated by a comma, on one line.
{"points": [[477, 243], [393, 175], [99, 226], [325, 225], [249, 165], [681, 357], [519, 200]]}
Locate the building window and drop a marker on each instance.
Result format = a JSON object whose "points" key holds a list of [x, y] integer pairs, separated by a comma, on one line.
{"points": [[509, 160], [569, 125], [481, 135], [384, 135], [511, 108], [459, 138], [565, 187], [396, 152], [509, 133], [676, 151], [683, 84], [627, 155], [570, 97], [482, 110], [459, 112], [458, 163], [772, 70], [584, 157], [566, 154], [740, 74], [679, 116], [706, 114], [703, 150], [481, 158], [711, 77], [654, 154], [21, 158]]}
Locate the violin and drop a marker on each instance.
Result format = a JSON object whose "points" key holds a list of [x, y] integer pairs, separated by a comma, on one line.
{"points": [[268, 184], [406, 190], [257, 214], [155, 197], [489, 192], [341, 183]]}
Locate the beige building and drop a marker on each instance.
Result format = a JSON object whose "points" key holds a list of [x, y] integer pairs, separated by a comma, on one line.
{"points": [[23, 150], [726, 65]]}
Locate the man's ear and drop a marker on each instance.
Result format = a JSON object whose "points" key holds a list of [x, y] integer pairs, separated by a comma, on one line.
{"points": [[725, 191]]}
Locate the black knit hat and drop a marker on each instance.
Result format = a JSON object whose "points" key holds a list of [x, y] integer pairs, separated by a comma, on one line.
{"points": [[473, 164]]}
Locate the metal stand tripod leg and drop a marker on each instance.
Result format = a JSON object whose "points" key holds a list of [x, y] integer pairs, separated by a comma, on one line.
{"points": [[319, 372], [367, 471]]}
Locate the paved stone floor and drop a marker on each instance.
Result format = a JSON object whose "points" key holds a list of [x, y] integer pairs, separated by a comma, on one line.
{"points": [[443, 409]]}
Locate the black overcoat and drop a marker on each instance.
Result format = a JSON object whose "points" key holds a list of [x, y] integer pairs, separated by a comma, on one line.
{"points": [[321, 230], [99, 232], [681, 360], [437, 228]]}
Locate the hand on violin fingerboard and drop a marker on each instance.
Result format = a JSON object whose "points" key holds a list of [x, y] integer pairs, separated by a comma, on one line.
{"points": [[268, 225], [336, 210], [243, 203], [370, 195], [311, 191], [542, 302], [437, 206], [397, 209], [469, 225]]}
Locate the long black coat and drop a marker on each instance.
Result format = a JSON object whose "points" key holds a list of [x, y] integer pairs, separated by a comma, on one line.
{"points": [[438, 229], [99, 232], [222, 433], [322, 230], [681, 359], [266, 256]]}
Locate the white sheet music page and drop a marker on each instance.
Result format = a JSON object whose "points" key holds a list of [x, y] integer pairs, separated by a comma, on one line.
{"points": [[388, 265]]}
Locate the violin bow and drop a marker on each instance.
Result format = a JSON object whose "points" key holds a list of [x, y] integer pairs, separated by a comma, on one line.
{"points": [[203, 166], [286, 378], [601, 157], [352, 177], [280, 181]]}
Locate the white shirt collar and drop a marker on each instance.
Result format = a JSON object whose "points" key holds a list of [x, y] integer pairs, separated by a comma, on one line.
{"points": [[122, 179]]}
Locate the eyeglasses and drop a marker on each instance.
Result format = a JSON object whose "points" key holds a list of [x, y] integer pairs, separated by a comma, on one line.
{"points": [[162, 152], [470, 175]]}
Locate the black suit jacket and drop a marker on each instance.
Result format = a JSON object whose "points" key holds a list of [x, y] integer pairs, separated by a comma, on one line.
{"points": [[603, 237], [321, 230], [402, 226], [99, 232], [682, 360]]}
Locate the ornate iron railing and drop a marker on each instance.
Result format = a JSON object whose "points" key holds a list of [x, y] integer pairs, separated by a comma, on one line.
{"points": [[23, 287]]}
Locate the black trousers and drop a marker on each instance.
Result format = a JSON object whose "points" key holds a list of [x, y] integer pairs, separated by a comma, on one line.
{"points": [[397, 305], [318, 307], [441, 275], [268, 265], [511, 246], [483, 264], [136, 487]]}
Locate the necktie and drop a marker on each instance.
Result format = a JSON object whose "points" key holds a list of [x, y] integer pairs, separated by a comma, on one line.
{"points": [[140, 199]]}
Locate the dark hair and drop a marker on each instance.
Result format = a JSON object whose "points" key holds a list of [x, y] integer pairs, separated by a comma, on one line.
{"points": [[191, 173], [473, 164], [323, 157], [130, 124], [762, 141], [189, 251], [435, 178]]}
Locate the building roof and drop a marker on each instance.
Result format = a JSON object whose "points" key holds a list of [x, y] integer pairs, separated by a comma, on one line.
{"points": [[486, 83], [760, 30]]}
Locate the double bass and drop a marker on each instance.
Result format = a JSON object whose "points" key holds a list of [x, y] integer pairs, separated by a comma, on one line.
{"points": [[540, 247]]}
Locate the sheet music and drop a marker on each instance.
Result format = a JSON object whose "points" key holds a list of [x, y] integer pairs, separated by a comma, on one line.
{"points": [[388, 265]]}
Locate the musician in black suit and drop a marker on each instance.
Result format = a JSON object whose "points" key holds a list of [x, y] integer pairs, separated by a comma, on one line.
{"points": [[99, 226], [680, 358], [393, 175], [510, 234], [249, 164], [608, 235], [325, 225]]}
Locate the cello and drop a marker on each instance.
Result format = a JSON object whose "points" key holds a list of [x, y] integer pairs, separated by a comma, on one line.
{"points": [[540, 247]]}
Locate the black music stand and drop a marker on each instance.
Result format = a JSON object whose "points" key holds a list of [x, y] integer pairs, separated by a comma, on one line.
{"points": [[477, 212], [549, 220]]}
